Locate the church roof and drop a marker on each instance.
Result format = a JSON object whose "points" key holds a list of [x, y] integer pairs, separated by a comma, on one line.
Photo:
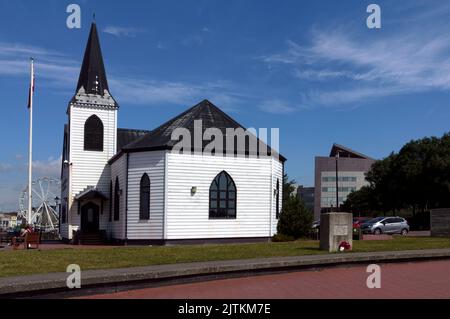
{"points": [[126, 136], [92, 75], [161, 137]]}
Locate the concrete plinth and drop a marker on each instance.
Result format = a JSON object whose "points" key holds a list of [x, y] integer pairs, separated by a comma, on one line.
{"points": [[334, 229]]}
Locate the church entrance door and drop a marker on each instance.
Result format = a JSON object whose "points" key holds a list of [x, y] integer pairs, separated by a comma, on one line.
{"points": [[90, 219]]}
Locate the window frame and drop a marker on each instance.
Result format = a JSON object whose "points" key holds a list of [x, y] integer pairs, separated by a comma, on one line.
{"points": [[144, 195], [94, 134], [216, 188]]}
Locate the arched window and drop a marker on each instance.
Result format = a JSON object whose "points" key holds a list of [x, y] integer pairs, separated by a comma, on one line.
{"points": [[277, 198], [93, 134], [222, 197], [144, 203], [117, 200]]}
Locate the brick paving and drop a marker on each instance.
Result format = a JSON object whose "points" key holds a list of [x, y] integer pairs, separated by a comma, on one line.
{"points": [[429, 280]]}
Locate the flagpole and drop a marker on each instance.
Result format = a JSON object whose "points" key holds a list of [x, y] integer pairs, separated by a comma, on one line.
{"points": [[30, 150]]}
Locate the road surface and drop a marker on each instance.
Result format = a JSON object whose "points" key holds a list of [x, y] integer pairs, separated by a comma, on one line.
{"points": [[406, 280]]}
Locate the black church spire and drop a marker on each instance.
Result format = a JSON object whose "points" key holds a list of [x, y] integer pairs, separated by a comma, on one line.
{"points": [[92, 75]]}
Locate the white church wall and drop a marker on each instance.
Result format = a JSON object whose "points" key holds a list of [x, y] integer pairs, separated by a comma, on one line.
{"points": [[119, 169], [187, 216], [90, 168], [277, 174], [152, 163], [64, 227]]}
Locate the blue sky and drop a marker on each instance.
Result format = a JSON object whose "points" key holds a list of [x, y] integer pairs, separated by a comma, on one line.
{"points": [[312, 69]]}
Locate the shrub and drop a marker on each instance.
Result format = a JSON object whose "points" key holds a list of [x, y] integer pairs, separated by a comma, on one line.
{"points": [[278, 238], [421, 221], [295, 219]]}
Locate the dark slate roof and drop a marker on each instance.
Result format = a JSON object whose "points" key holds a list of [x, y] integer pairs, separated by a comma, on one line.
{"points": [[160, 138], [93, 75], [346, 152], [126, 136]]}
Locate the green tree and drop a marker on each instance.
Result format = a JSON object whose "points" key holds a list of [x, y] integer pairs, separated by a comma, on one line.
{"points": [[295, 219], [417, 178], [385, 185], [360, 202], [288, 188]]}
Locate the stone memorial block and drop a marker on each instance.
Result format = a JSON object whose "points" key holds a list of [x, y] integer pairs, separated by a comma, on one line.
{"points": [[335, 228]]}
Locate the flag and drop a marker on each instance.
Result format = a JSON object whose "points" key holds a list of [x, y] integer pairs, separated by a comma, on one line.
{"points": [[31, 90]]}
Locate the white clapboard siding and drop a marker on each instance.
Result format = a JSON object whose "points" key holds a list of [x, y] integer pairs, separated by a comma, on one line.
{"points": [[277, 175], [119, 169], [90, 168], [188, 216], [151, 163], [64, 227]]}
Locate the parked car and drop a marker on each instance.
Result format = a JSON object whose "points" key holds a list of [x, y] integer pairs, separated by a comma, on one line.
{"points": [[316, 224], [386, 225], [358, 221]]}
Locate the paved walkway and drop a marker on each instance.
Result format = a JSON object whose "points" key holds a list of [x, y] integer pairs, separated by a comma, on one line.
{"points": [[429, 280], [46, 283]]}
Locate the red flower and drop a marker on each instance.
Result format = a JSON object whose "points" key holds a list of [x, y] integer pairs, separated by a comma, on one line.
{"points": [[344, 246]]}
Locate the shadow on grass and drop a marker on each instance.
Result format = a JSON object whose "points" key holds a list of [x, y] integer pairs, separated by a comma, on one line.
{"points": [[315, 249]]}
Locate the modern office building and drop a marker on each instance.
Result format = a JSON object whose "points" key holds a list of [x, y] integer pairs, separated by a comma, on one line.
{"points": [[351, 168], [307, 195]]}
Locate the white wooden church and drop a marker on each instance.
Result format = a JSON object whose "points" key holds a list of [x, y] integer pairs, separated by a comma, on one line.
{"points": [[129, 186]]}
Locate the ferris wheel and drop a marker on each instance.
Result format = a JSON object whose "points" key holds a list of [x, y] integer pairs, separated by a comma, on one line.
{"points": [[45, 200]]}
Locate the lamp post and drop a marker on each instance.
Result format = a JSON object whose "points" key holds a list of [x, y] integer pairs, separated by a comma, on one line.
{"points": [[337, 182], [58, 206]]}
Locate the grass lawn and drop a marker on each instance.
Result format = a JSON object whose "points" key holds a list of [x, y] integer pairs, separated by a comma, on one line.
{"points": [[16, 263]]}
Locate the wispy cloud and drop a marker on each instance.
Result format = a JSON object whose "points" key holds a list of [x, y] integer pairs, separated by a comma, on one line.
{"points": [[49, 168], [192, 39], [11, 186], [61, 71], [122, 31], [407, 61], [49, 65], [22, 49], [277, 107], [324, 74], [152, 92], [41, 168], [196, 38], [5, 167], [349, 97]]}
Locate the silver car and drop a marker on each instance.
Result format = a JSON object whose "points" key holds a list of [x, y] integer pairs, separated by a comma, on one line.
{"points": [[385, 225]]}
